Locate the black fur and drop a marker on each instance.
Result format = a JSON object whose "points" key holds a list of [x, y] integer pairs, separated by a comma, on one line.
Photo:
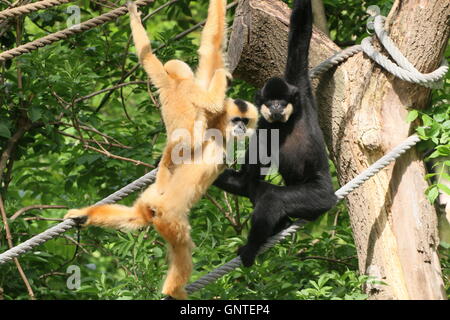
{"points": [[303, 161], [242, 105]]}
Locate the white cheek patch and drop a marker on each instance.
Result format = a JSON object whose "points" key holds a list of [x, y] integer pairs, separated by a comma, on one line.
{"points": [[287, 112], [266, 113]]}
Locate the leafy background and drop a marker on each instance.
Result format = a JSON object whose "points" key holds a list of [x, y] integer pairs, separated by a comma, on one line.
{"points": [[69, 156]]}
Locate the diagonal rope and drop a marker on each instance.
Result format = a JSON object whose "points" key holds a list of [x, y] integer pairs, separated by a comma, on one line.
{"points": [[69, 223], [63, 34], [31, 7]]}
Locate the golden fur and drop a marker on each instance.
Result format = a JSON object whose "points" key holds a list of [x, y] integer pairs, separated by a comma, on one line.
{"points": [[187, 182]]}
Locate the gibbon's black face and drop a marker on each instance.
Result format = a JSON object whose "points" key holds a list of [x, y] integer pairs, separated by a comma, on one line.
{"points": [[239, 126], [276, 99]]}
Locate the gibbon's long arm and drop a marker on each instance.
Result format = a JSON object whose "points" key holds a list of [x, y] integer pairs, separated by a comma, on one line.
{"points": [[300, 32], [149, 61], [212, 44]]}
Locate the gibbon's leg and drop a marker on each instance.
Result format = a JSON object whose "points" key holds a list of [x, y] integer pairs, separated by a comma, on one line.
{"points": [[266, 216], [175, 229], [149, 61], [274, 206], [164, 174], [213, 42], [113, 216]]}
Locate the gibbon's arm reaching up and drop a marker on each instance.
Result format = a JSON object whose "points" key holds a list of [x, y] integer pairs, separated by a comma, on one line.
{"points": [[296, 72], [148, 60], [212, 44], [210, 97]]}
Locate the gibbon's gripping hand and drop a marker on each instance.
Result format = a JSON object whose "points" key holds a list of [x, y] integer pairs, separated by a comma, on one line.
{"points": [[248, 255], [132, 9], [80, 216]]}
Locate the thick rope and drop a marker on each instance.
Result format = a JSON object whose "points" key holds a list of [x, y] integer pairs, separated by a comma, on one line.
{"points": [[63, 34], [69, 223], [382, 163], [31, 7], [339, 57], [402, 69]]}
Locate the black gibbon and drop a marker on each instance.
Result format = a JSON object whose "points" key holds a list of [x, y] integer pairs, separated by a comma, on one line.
{"points": [[187, 182], [286, 105]]}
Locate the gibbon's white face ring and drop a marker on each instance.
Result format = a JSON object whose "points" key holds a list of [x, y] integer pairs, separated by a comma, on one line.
{"points": [[287, 112], [266, 113]]}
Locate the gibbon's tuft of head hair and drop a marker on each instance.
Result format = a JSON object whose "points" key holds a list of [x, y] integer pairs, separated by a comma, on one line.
{"points": [[275, 88]]}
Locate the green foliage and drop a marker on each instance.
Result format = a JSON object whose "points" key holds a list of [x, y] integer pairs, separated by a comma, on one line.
{"points": [[54, 163], [347, 19], [434, 131]]}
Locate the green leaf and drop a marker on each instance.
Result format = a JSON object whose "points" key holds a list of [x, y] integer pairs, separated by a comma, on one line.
{"points": [[427, 120], [412, 115], [444, 188], [4, 131], [432, 193], [34, 113]]}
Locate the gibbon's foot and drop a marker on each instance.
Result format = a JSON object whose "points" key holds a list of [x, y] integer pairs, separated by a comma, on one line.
{"points": [[229, 78], [78, 215], [175, 293], [248, 255]]}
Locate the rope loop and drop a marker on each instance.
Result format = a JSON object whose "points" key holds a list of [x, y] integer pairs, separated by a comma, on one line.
{"points": [[402, 68]]}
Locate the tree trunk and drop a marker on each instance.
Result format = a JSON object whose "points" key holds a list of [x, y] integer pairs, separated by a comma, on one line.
{"points": [[362, 110]]}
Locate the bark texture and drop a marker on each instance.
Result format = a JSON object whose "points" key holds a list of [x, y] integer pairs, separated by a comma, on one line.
{"points": [[363, 110]]}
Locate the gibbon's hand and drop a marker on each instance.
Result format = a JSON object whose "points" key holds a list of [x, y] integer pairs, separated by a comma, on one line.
{"points": [[248, 255], [78, 215], [132, 9]]}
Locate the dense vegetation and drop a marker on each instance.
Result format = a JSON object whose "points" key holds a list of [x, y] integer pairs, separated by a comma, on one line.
{"points": [[69, 154]]}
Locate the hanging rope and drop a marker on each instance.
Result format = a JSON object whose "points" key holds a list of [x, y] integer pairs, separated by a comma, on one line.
{"points": [[63, 34], [31, 7]]}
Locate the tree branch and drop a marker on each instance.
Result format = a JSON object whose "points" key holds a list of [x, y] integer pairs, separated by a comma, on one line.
{"points": [[225, 212], [10, 245], [32, 207], [22, 128], [113, 156]]}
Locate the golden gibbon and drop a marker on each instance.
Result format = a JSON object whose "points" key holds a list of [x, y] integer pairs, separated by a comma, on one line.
{"points": [[186, 99], [187, 182]]}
